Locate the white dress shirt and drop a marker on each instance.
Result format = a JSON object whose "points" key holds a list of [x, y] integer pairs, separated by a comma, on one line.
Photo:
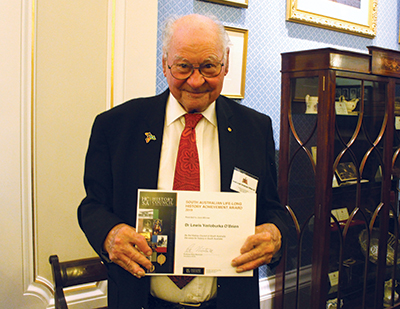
{"points": [[200, 289]]}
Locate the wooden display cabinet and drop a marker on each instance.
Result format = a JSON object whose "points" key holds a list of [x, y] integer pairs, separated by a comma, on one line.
{"points": [[339, 178]]}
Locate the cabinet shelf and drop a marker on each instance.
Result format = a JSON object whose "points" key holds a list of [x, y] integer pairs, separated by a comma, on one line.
{"points": [[342, 224]]}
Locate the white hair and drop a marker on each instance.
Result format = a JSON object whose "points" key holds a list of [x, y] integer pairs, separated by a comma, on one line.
{"points": [[169, 32]]}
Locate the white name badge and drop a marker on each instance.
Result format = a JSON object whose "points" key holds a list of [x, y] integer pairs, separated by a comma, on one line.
{"points": [[243, 182]]}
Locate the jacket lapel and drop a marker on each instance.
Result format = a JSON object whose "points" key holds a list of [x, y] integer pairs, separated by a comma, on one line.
{"points": [[227, 142], [149, 152]]}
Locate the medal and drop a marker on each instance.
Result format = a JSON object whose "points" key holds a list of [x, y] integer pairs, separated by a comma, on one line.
{"points": [[161, 259]]}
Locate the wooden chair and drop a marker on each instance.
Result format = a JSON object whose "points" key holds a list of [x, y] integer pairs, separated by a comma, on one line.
{"points": [[76, 272]]}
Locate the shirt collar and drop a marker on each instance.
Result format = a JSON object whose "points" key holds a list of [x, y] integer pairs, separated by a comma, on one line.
{"points": [[174, 111]]}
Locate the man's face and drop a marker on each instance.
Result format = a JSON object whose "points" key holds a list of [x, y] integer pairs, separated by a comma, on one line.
{"points": [[195, 45]]}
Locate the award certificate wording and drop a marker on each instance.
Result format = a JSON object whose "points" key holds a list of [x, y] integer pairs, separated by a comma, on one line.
{"points": [[195, 233]]}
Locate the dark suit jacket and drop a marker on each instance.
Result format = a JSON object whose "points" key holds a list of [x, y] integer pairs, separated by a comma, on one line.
{"points": [[119, 161]]}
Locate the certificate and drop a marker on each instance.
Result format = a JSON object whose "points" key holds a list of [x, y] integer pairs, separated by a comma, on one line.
{"points": [[195, 233]]}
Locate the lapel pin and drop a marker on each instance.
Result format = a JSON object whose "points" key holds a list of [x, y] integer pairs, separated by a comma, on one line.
{"points": [[149, 137], [229, 129]]}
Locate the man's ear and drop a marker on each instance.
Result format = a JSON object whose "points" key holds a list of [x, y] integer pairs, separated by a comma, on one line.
{"points": [[227, 61], [164, 65]]}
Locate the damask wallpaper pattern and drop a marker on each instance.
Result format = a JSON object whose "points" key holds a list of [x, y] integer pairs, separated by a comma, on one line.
{"points": [[270, 35]]}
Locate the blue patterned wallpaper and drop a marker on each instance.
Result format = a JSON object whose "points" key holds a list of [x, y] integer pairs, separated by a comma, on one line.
{"points": [[270, 35]]}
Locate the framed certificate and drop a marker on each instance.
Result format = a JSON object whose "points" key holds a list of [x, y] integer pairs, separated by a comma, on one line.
{"points": [[235, 80]]}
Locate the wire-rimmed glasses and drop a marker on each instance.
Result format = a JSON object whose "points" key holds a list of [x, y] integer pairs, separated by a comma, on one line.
{"points": [[184, 70]]}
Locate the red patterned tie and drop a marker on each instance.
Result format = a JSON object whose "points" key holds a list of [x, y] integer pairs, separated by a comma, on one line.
{"points": [[187, 171]]}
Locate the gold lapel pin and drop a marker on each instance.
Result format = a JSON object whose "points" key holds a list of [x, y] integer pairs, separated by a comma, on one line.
{"points": [[149, 137]]}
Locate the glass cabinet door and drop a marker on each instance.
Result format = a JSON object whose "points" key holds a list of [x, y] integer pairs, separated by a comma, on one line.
{"points": [[396, 152], [360, 124], [392, 289], [302, 121], [302, 166]]}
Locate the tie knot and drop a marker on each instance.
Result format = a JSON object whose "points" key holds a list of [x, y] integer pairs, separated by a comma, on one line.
{"points": [[191, 120]]}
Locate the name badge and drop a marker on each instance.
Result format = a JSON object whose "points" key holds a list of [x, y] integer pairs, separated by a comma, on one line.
{"points": [[243, 182]]}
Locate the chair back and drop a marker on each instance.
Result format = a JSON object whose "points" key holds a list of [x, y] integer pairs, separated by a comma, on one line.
{"points": [[75, 272]]}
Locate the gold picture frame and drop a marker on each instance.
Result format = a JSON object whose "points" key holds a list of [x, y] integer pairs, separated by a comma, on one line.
{"points": [[235, 80], [330, 14], [238, 3]]}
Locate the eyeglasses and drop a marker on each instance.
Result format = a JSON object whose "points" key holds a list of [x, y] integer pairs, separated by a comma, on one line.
{"points": [[185, 70]]}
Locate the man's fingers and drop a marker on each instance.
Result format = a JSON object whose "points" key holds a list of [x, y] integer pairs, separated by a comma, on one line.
{"points": [[251, 242], [259, 248], [142, 245], [126, 248], [251, 260], [133, 267], [131, 260], [254, 254], [251, 265]]}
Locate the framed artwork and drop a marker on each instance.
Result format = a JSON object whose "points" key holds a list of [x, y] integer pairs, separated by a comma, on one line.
{"points": [[235, 80], [239, 3], [358, 17]]}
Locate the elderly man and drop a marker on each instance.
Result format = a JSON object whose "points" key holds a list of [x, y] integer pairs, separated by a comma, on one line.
{"points": [[120, 161]]}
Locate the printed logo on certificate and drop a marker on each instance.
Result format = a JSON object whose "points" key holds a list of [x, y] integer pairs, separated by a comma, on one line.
{"points": [[195, 233]]}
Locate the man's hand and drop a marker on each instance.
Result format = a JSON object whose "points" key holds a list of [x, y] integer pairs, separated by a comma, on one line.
{"points": [[126, 248], [259, 248]]}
